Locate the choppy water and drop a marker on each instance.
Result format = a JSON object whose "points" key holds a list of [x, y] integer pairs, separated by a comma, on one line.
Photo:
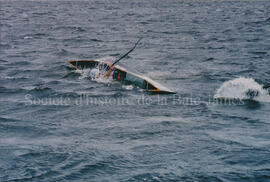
{"points": [[56, 124]]}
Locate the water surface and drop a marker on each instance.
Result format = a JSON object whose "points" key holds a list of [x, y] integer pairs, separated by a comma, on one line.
{"points": [[194, 48]]}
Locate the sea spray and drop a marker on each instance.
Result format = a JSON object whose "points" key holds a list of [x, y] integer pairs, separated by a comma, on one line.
{"points": [[95, 74], [242, 88]]}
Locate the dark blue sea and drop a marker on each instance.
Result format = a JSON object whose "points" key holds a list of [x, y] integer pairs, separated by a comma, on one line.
{"points": [[57, 124]]}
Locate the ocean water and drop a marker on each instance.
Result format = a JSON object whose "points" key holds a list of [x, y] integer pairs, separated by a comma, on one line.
{"points": [[57, 124]]}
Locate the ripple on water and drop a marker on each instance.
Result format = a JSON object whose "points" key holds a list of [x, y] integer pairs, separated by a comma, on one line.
{"points": [[199, 48]]}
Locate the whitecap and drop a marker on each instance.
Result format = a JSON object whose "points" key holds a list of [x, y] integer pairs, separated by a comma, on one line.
{"points": [[243, 88]]}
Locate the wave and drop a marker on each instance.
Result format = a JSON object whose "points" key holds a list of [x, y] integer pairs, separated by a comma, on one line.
{"points": [[243, 88]]}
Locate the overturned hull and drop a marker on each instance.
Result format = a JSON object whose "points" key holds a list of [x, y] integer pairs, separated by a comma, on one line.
{"points": [[123, 75]]}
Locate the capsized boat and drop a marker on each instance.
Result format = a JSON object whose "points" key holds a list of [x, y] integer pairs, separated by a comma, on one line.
{"points": [[121, 74]]}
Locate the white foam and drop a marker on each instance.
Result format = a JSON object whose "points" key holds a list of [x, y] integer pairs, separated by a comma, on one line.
{"points": [[27, 37], [128, 87], [239, 87], [94, 74], [85, 73]]}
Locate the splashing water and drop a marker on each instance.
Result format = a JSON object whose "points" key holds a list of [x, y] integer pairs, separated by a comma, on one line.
{"points": [[128, 87], [96, 74], [243, 88], [84, 73]]}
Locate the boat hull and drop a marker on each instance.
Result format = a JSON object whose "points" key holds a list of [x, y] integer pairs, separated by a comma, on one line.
{"points": [[123, 75]]}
